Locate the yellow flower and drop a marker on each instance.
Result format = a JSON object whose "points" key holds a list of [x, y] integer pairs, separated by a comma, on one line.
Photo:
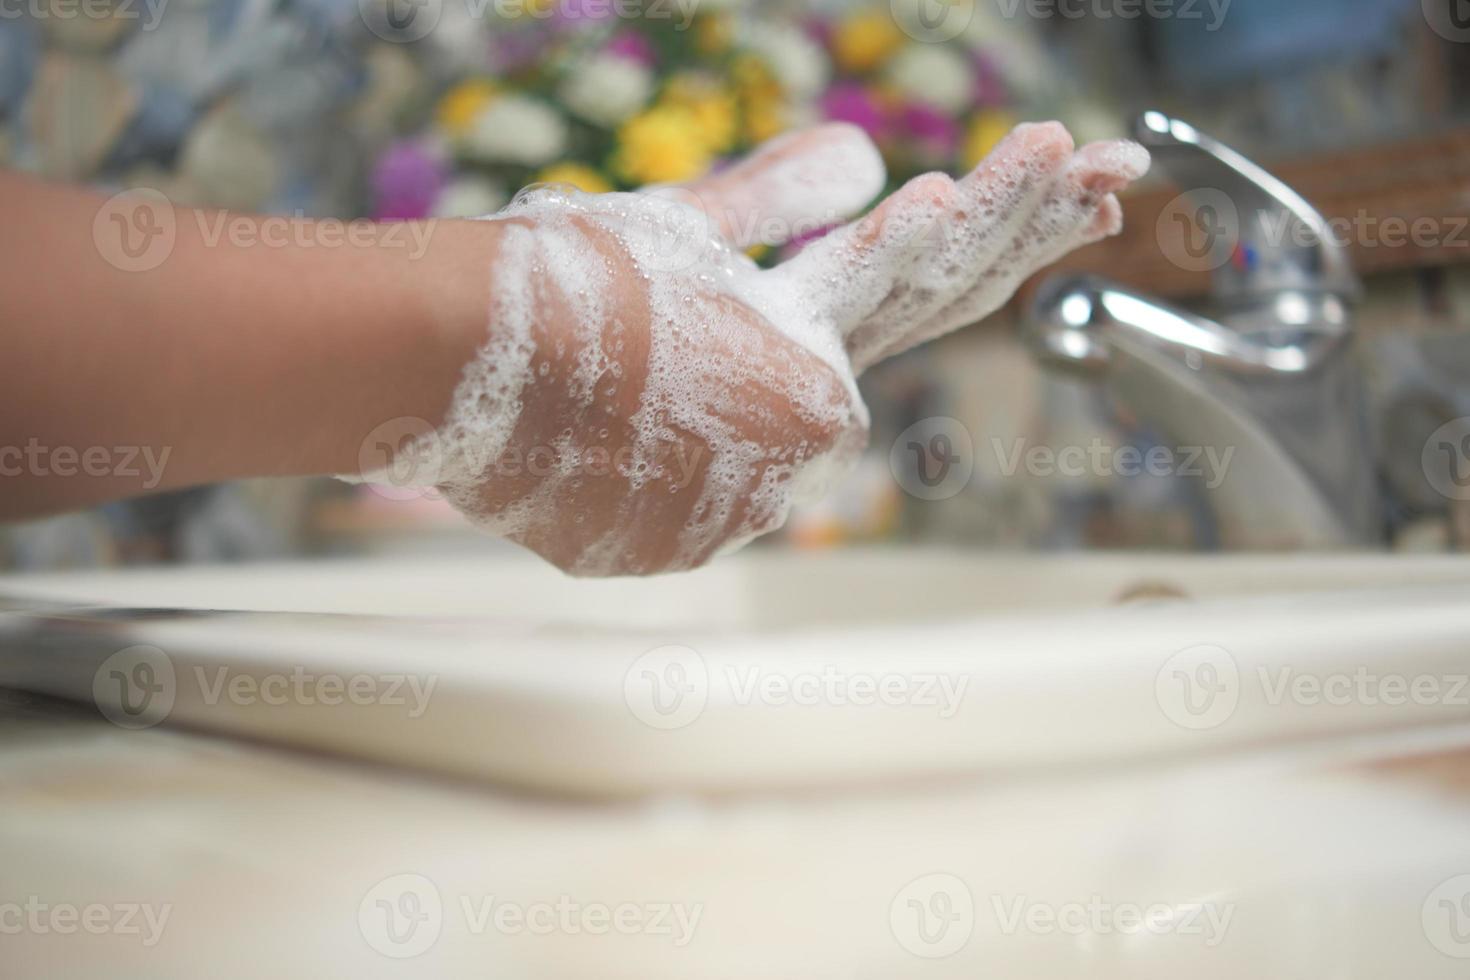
{"points": [[456, 112], [866, 39], [713, 33], [986, 130], [711, 105], [661, 145], [579, 175], [764, 118]]}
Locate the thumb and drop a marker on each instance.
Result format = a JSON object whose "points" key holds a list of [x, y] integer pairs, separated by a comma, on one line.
{"points": [[793, 185]]}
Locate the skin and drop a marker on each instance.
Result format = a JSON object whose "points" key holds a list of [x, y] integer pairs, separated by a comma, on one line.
{"points": [[248, 360]]}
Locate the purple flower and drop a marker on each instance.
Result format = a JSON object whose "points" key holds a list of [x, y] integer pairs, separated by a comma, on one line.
{"points": [[990, 85], [517, 49], [936, 133], [633, 46], [850, 102], [406, 182]]}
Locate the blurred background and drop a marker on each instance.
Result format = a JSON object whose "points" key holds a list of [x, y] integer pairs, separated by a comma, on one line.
{"points": [[400, 109]]}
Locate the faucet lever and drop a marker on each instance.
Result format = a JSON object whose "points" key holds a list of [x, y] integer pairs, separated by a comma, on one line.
{"points": [[1268, 239]]}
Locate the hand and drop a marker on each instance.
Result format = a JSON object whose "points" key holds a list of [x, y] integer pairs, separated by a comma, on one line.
{"points": [[648, 397]]}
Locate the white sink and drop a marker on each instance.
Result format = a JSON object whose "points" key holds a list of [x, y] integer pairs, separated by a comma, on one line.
{"points": [[772, 670], [1166, 753]]}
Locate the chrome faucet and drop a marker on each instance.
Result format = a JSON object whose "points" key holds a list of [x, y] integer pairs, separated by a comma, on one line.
{"points": [[1272, 376]]}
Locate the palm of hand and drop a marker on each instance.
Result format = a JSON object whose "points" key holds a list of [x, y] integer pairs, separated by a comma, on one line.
{"points": [[673, 402]]}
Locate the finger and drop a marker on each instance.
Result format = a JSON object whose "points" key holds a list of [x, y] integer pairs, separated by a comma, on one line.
{"points": [[848, 274], [993, 204], [1081, 209], [793, 185]]}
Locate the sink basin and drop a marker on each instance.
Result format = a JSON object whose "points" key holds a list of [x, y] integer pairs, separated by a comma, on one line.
{"points": [[763, 671], [1144, 769]]}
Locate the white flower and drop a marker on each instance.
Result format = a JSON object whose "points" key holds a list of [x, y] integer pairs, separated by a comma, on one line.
{"points": [[798, 64], [470, 197], [607, 89], [516, 129], [934, 73]]}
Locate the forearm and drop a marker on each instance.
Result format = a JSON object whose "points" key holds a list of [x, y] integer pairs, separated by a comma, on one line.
{"points": [[253, 347]]}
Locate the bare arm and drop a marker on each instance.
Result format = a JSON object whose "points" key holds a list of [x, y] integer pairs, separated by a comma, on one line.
{"points": [[252, 347]]}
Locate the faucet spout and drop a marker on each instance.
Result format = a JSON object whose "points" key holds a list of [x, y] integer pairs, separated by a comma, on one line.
{"points": [[1285, 407]]}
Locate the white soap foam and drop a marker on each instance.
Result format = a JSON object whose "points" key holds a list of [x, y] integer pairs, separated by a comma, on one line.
{"points": [[710, 377]]}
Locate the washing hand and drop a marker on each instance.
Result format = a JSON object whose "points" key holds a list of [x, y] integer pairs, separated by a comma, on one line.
{"points": [[647, 397]]}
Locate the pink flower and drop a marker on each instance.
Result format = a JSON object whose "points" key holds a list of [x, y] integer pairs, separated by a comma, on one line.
{"points": [[850, 102], [406, 181], [633, 46], [937, 134]]}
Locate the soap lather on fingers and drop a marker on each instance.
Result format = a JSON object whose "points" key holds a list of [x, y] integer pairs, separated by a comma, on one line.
{"points": [[680, 402]]}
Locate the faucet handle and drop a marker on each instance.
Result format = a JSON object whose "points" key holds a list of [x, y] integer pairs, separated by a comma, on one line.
{"points": [[1266, 239]]}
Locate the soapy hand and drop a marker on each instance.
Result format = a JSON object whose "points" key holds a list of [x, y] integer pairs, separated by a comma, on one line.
{"points": [[648, 397]]}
